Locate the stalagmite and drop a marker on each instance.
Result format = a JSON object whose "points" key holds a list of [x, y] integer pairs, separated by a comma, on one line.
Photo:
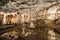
{"points": [[32, 25]]}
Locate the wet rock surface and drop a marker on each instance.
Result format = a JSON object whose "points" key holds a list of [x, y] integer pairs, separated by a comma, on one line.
{"points": [[31, 7]]}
